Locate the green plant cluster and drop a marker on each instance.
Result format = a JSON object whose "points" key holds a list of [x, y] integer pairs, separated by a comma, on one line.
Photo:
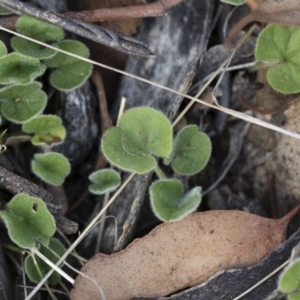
{"points": [[278, 49], [22, 100], [143, 136]]}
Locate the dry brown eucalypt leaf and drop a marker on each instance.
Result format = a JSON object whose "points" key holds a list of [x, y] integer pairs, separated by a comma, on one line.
{"points": [[177, 255]]}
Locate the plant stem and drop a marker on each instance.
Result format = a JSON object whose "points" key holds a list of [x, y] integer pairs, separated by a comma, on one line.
{"points": [[159, 173]]}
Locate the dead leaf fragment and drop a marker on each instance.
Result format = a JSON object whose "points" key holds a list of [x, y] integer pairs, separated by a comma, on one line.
{"points": [[181, 254], [285, 12]]}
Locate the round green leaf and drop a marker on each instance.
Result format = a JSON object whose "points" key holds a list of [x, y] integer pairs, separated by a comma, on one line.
{"points": [[71, 72], [114, 152], [104, 181], [47, 129], [168, 202], [146, 130], [56, 246], [191, 151], [51, 167], [21, 103], [234, 2], [39, 30], [142, 133], [279, 45], [3, 49], [28, 219], [289, 280], [17, 68]]}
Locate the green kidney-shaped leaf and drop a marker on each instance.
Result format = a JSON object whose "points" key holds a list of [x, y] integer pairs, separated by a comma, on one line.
{"points": [[30, 267], [289, 280], [17, 68], [3, 49], [146, 130], [39, 30], [47, 129], [104, 181], [280, 46], [142, 133], [27, 219], [51, 167], [113, 150], [234, 2], [169, 203], [21, 103], [71, 72], [191, 151]]}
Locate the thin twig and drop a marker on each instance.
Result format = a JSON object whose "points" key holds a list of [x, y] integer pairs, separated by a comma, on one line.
{"points": [[228, 111], [109, 14], [96, 33], [155, 9], [16, 184]]}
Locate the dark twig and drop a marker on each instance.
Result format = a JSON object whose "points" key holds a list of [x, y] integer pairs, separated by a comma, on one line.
{"points": [[93, 32], [16, 184], [155, 9]]}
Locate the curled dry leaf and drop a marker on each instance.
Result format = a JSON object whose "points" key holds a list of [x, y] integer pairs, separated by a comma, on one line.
{"points": [[285, 12], [181, 254]]}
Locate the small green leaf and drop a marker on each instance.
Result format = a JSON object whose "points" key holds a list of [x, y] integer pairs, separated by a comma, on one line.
{"points": [[21, 103], [168, 202], [191, 151], [56, 246], [4, 11], [28, 219], [3, 49], [47, 129], [104, 181], [39, 30], [289, 280], [51, 167], [146, 130], [113, 150], [71, 72], [234, 2], [142, 133], [280, 46], [17, 68]]}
